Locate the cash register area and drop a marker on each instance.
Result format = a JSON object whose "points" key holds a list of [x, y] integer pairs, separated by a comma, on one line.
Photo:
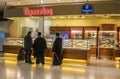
{"points": [[10, 68]]}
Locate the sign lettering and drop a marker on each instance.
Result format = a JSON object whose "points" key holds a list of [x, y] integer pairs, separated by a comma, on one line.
{"points": [[38, 12]]}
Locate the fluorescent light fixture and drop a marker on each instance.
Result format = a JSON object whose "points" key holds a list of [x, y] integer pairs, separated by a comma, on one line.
{"points": [[75, 17]]}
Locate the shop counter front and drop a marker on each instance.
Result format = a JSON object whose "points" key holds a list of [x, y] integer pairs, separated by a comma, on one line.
{"points": [[116, 53], [72, 53], [11, 48], [81, 54], [106, 53], [77, 54], [93, 51]]}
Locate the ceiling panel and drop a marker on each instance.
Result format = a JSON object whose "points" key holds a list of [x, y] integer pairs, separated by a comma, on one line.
{"points": [[8, 3], [33, 2]]}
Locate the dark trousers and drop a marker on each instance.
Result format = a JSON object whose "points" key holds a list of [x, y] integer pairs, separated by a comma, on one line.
{"points": [[40, 58], [28, 55]]}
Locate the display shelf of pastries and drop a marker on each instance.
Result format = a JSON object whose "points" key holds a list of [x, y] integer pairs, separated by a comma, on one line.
{"points": [[106, 46], [75, 44], [107, 39], [67, 43], [91, 34], [14, 41], [92, 42], [81, 44], [76, 34]]}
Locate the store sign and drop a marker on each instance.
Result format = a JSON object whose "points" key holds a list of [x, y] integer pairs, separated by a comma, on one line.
{"points": [[87, 9], [38, 12]]}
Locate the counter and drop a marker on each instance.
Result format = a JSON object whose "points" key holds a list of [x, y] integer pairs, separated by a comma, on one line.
{"points": [[106, 53], [76, 54], [11, 49], [116, 53]]}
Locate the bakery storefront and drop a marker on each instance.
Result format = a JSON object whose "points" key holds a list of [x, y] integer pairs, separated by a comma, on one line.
{"points": [[94, 34]]}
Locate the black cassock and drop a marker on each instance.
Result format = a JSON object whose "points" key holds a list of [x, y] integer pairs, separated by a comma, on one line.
{"points": [[39, 47], [57, 49]]}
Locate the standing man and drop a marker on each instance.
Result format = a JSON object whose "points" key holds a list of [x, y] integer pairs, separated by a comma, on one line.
{"points": [[39, 49], [28, 47], [57, 50]]}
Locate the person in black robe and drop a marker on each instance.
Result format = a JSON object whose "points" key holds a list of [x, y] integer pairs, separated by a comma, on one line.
{"points": [[57, 50], [28, 47], [39, 47]]}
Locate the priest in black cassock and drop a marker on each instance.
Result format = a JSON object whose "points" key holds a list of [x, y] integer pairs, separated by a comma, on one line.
{"points": [[57, 50], [39, 47]]}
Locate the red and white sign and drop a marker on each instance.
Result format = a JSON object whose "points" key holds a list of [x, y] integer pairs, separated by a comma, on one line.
{"points": [[38, 12]]}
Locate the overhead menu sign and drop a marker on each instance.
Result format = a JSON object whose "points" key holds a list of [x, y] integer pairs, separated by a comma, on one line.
{"points": [[87, 9]]}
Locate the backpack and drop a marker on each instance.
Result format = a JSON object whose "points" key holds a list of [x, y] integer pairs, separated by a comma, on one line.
{"points": [[21, 54]]}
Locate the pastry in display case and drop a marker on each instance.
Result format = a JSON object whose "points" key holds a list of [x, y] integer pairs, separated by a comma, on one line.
{"points": [[107, 39], [80, 44], [91, 36], [13, 41], [76, 44], [76, 34], [68, 43], [92, 42]]}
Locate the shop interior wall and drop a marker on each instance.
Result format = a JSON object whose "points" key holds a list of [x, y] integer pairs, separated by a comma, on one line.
{"points": [[79, 22], [19, 23], [5, 26]]}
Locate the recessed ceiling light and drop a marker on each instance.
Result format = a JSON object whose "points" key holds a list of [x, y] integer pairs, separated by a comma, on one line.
{"points": [[61, 17], [53, 17], [41, 1], [68, 16], [76, 0], [75, 17], [46, 17], [58, 0], [18, 3]]}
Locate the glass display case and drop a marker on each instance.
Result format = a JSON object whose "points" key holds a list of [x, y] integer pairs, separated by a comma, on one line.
{"points": [[49, 39], [14, 41], [107, 39], [67, 43], [91, 36], [77, 34], [76, 44]]}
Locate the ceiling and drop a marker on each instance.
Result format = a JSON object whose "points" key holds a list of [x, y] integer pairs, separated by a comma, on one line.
{"points": [[34, 2], [8, 3]]}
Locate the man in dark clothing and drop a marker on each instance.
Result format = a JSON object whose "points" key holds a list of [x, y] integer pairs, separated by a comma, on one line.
{"points": [[57, 50], [39, 48], [28, 47]]}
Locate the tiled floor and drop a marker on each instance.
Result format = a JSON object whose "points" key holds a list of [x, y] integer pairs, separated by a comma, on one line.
{"points": [[98, 69]]}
